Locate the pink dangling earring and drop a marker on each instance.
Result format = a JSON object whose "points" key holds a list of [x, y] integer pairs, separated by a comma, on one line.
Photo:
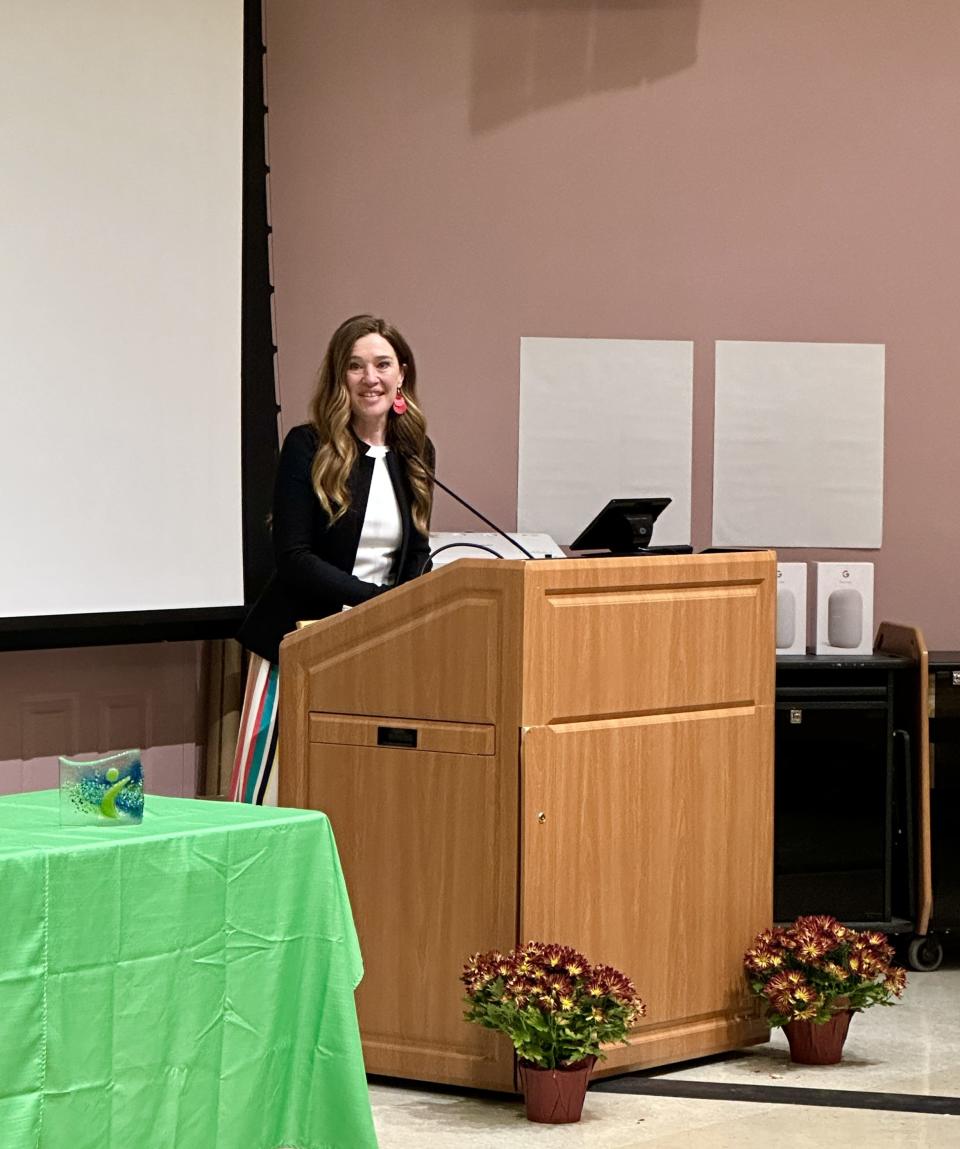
{"points": [[399, 403]]}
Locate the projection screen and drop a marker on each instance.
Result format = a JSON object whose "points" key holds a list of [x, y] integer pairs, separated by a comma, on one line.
{"points": [[120, 218]]}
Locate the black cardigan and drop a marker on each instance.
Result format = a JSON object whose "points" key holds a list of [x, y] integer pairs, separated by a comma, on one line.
{"points": [[314, 559]]}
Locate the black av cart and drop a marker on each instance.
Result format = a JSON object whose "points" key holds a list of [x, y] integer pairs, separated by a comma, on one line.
{"points": [[851, 818]]}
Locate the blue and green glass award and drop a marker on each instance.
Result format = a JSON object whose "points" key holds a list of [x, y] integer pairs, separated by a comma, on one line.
{"points": [[107, 791]]}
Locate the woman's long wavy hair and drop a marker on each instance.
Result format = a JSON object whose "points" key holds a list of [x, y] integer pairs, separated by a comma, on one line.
{"points": [[330, 414]]}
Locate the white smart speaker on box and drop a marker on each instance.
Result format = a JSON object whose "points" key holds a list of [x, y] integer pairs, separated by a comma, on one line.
{"points": [[791, 608], [844, 608]]}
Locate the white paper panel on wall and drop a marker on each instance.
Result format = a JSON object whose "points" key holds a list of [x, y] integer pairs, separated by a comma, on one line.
{"points": [[603, 419], [798, 445], [120, 226]]}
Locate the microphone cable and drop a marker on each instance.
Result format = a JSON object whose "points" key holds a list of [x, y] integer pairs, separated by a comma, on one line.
{"points": [[450, 546]]}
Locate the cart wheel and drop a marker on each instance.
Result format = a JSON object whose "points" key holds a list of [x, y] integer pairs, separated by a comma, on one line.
{"points": [[925, 954]]}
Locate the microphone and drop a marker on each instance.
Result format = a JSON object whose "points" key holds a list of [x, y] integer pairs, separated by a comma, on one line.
{"points": [[473, 510]]}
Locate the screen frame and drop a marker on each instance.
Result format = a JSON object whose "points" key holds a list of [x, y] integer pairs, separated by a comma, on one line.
{"points": [[259, 412]]}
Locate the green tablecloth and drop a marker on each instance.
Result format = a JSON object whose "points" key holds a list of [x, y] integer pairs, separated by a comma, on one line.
{"points": [[183, 984]]}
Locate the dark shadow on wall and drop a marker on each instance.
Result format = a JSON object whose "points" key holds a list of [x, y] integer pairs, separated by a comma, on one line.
{"points": [[531, 54]]}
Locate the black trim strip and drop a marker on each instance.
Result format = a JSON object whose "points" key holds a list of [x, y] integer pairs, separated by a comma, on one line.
{"points": [[781, 1095], [259, 432], [49, 632]]}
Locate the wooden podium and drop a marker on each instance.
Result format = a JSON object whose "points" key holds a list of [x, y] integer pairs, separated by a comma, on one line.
{"points": [[574, 750]]}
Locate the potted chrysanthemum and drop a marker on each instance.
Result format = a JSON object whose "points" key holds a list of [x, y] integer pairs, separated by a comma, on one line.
{"points": [[558, 1010], [814, 975]]}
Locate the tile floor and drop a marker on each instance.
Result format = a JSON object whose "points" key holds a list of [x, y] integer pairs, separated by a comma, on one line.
{"points": [[912, 1049]]}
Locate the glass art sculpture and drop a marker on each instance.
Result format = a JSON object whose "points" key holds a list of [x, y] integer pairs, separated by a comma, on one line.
{"points": [[107, 790]]}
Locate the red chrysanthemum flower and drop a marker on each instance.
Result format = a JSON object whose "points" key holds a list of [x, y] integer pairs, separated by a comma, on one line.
{"points": [[818, 961]]}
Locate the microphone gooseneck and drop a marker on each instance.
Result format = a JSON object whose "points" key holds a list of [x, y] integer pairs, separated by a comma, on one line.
{"points": [[473, 510]]}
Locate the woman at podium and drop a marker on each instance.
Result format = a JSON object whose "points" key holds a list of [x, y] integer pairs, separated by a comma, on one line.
{"points": [[351, 517]]}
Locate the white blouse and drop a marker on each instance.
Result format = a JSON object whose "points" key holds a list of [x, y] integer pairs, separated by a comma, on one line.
{"points": [[382, 530]]}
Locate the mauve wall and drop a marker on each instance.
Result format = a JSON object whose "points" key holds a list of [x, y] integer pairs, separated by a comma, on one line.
{"points": [[97, 700], [479, 170]]}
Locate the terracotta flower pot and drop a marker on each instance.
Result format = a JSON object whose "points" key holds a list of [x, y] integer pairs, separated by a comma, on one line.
{"points": [[555, 1096], [812, 1044]]}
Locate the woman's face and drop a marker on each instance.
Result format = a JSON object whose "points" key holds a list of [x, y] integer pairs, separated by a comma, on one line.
{"points": [[373, 377]]}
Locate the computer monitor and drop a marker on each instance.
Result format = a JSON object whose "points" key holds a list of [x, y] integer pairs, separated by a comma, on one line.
{"points": [[623, 527]]}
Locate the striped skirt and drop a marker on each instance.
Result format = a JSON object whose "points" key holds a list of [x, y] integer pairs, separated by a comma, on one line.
{"points": [[255, 778]]}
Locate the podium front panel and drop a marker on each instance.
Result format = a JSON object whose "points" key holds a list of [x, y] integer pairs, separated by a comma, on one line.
{"points": [[646, 844], [430, 867], [611, 639]]}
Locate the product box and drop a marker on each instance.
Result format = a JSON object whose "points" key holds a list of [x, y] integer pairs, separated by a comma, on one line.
{"points": [[791, 608], [844, 608]]}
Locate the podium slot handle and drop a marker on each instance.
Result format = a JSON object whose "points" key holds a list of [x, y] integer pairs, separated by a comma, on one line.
{"points": [[405, 736]]}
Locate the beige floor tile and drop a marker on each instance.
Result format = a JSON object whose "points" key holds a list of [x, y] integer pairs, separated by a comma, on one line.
{"points": [[912, 1048], [408, 1119]]}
